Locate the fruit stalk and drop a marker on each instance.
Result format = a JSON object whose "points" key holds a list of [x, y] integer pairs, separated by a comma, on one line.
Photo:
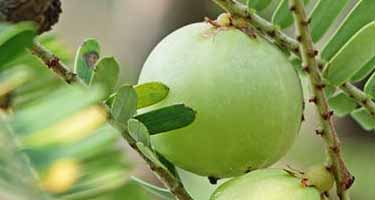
{"points": [[170, 181], [342, 175], [240, 12]]}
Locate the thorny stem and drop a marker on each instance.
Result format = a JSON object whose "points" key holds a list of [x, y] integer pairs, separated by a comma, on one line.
{"points": [[240, 14], [307, 53], [342, 175], [53, 63], [171, 182], [362, 98]]}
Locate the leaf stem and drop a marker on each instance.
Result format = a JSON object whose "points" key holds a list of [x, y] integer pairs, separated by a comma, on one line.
{"points": [[342, 175], [170, 181], [239, 13]]}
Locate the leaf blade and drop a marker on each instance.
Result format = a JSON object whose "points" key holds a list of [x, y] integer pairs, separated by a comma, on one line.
{"points": [[138, 131], [150, 93], [342, 104], [357, 52], [364, 71], [14, 39], [159, 192], [167, 118], [360, 15], [370, 86], [106, 74], [258, 5], [363, 117], [86, 57], [323, 15], [124, 105]]}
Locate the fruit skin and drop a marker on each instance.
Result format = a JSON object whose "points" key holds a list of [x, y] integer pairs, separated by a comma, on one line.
{"points": [[319, 177], [247, 96], [265, 184]]}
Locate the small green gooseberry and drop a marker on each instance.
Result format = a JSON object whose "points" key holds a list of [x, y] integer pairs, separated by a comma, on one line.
{"points": [[265, 184], [319, 177]]}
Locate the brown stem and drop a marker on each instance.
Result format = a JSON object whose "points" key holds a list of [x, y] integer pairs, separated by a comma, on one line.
{"points": [[342, 175], [53, 63], [170, 181]]}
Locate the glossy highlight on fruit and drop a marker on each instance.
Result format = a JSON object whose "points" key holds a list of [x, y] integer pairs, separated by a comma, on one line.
{"points": [[265, 184], [247, 96]]}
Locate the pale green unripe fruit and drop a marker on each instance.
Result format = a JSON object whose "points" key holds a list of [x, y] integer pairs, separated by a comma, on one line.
{"points": [[319, 177], [265, 184], [247, 96]]}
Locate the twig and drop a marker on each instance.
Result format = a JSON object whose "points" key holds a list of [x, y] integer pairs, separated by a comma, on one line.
{"points": [[342, 175], [53, 63], [360, 97], [171, 182], [239, 13]]}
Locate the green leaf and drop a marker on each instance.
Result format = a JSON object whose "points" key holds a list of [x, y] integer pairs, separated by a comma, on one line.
{"points": [[167, 118], [370, 86], [359, 50], [364, 71], [12, 78], [150, 155], [362, 14], [342, 104], [17, 179], [14, 39], [124, 105], [150, 93], [106, 74], [329, 90], [139, 132], [363, 117], [162, 193], [54, 107], [86, 58], [323, 15], [282, 15], [258, 5]]}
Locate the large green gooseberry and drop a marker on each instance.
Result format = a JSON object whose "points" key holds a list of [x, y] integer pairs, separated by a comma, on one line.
{"points": [[247, 96], [265, 184]]}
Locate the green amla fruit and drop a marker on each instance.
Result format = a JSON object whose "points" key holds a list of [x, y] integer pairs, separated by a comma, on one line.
{"points": [[247, 96], [319, 177], [265, 184]]}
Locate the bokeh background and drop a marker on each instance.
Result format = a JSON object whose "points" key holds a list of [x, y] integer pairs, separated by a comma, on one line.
{"points": [[129, 29]]}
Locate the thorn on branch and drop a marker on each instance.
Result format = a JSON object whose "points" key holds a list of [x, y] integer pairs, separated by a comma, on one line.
{"points": [[348, 183], [293, 8], [319, 132], [306, 68], [53, 62], [306, 22], [299, 38], [312, 52], [320, 86], [335, 149], [327, 115], [313, 100]]}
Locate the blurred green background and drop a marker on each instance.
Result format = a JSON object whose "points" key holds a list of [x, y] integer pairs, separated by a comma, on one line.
{"points": [[128, 30]]}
